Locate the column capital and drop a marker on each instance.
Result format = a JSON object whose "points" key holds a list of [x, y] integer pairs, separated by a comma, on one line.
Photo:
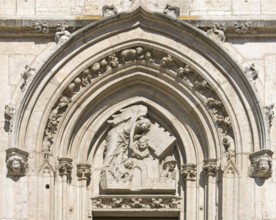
{"points": [[210, 166], [65, 166], [189, 172], [83, 171]]}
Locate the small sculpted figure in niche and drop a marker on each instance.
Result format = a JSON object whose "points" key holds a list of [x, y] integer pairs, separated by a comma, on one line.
{"points": [[127, 124], [140, 148], [169, 166]]}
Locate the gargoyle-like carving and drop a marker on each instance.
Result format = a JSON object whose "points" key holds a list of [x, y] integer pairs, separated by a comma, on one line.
{"points": [[136, 202], [83, 171], [65, 167], [166, 63], [109, 10], [217, 32], [210, 167], [136, 148], [189, 172], [17, 162], [269, 114], [41, 27], [27, 76], [261, 164], [62, 34], [172, 11], [251, 73]]}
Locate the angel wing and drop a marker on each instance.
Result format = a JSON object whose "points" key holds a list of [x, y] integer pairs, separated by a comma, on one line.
{"points": [[127, 113]]}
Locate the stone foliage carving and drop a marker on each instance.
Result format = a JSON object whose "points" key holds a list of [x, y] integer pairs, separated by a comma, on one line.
{"points": [[217, 32], [172, 11], [243, 28], [136, 155], [27, 75], [168, 64], [65, 167], [62, 34], [109, 10], [189, 172], [17, 162], [42, 27], [83, 171], [261, 162], [210, 167], [153, 202]]}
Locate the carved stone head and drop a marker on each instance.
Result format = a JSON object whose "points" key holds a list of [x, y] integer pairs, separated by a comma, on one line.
{"points": [[16, 161], [261, 164]]}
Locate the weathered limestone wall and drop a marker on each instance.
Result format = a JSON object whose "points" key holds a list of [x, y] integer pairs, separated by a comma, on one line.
{"points": [[69, 8]]}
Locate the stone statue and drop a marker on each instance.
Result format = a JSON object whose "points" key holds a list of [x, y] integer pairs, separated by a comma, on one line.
{"points": [[134, 154], [126, 124]]}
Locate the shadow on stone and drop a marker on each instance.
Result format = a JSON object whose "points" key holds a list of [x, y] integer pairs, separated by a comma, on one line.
{"points": [[14, 178], [259, 181]]}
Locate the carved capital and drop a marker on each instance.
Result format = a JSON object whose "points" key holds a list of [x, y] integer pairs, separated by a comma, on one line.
{"points": [[65, 166], [189, 172], [17, 162], [83, 171], [261, 164], [210, 167]]}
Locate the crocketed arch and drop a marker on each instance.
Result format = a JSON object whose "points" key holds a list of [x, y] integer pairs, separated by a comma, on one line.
{"points": [[161, 35]]}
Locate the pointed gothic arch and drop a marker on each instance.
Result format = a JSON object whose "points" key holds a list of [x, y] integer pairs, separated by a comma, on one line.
{"points": [[190, 85]]}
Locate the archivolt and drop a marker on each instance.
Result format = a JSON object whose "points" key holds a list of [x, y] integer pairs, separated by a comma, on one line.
{"points": [[187, 79]]}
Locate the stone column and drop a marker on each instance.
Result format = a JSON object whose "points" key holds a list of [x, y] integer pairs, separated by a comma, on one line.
{"points": [[83, 174], [189, 173], [65, 170], [210, 167]]}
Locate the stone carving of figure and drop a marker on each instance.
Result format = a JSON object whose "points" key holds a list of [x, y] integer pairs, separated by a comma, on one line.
{"points": [[17, 165], [127, 124], [140, 148], [169, 171]]}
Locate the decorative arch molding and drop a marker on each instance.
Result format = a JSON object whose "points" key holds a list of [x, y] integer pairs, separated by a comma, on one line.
{"points": [[191, 87]]}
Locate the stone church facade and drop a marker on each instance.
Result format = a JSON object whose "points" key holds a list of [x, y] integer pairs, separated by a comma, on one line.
{"points": [[135, 109]]}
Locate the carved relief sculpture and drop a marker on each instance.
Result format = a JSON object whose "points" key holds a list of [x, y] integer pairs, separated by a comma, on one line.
{"points": [[109, 10], [261, 162], [172, 11], [9, 115], [167, 63], [17, 162], [189, 172], [217, 32], [135, 157], [27, 76], [83, 171], [62, 34]]}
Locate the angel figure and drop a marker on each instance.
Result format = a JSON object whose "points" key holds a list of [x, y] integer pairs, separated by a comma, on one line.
{"points": [[128, 123]]}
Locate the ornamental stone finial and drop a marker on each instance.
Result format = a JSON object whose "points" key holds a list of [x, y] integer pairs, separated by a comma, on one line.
{"points": [[210, 167], [17, 162], [189, 172], [261, 164]]}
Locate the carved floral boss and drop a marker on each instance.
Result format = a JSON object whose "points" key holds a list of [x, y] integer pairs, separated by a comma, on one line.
{"points": [[168, 64]]}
